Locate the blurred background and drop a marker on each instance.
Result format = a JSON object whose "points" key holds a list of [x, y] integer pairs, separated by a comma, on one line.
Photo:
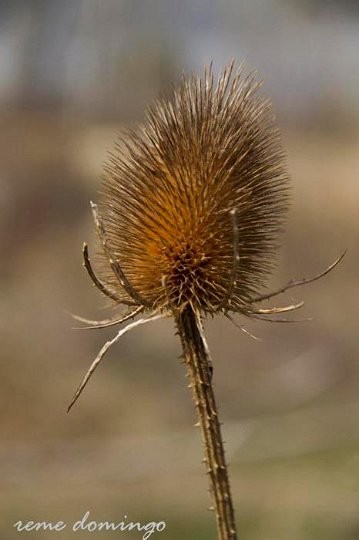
{"points": [[73, 74]]}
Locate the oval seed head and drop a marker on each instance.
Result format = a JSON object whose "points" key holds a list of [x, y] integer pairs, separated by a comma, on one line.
{"points": [[193, 207]]}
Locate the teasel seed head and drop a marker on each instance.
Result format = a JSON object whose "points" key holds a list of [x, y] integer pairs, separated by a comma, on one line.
{"points": [[189, 220], [192, 203]]}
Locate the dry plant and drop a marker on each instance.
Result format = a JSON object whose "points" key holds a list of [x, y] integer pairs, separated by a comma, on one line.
{"points": [[191, 207]]}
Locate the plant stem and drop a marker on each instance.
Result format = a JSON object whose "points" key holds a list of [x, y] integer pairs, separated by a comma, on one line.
{"points": [[197, 360]]}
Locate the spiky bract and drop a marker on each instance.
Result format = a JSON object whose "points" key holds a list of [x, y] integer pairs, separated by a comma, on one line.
{"points": [[170, 192]]}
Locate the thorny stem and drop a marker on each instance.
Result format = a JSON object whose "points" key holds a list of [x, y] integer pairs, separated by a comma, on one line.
{"points": [[197, 360]]}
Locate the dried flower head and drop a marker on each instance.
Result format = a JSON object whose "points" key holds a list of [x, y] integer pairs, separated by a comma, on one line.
{"points": [[192, 210], [190, 213]]}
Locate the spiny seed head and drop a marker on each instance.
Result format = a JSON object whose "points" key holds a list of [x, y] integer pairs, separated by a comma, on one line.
{"points": [[193, 206]]}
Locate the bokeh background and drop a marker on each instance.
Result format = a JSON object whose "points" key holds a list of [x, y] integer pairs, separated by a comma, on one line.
{"points": [[72, 75]]}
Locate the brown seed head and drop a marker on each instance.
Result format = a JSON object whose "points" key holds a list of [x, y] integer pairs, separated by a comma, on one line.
{"points": [[193, 208]]}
